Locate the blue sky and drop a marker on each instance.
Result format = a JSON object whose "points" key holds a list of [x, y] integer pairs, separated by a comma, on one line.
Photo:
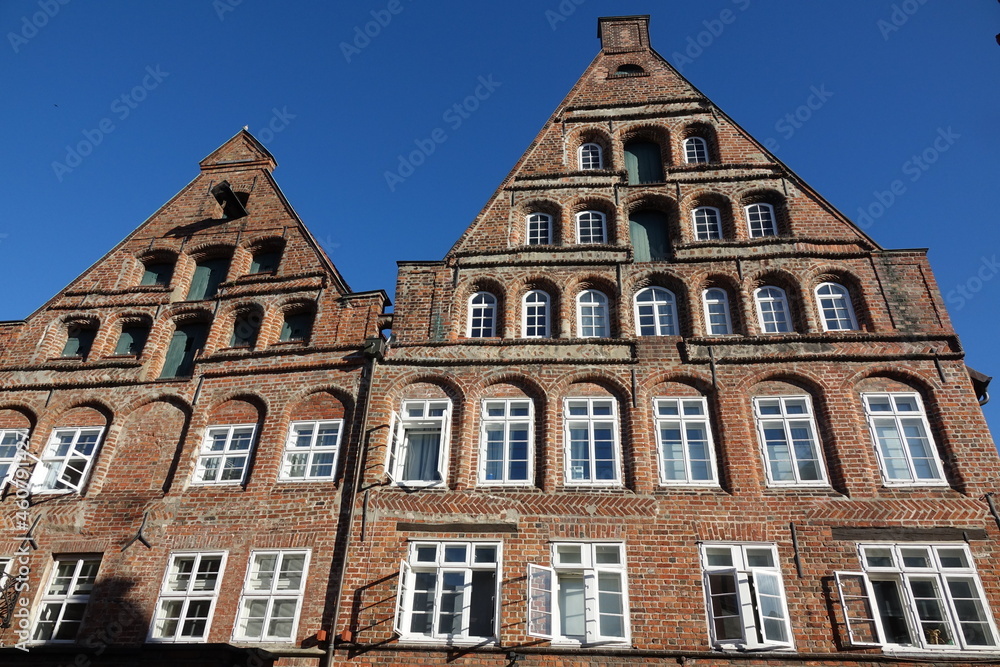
{"points": [[903, 125]]}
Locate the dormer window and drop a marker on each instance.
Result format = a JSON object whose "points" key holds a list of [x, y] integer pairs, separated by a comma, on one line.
{"points": [[591, 156]]}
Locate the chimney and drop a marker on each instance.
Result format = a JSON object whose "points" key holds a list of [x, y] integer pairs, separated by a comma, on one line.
{"points": [[623, 34]]}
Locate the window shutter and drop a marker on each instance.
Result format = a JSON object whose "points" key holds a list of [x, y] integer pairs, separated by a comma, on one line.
{"points": [[199, 283], [856, 598], [217, 269], [541, 587], [648, 230], [125, 342], [611, 606], [175, 355], [769, 598], [72, 346], [643, 162], [402, 592], [395, 426]]}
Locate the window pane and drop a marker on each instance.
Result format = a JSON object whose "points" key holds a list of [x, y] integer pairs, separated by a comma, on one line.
{"points": [[572, 606]]}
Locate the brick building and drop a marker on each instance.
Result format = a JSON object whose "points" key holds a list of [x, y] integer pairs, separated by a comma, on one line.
{"points": [[660, 403]]}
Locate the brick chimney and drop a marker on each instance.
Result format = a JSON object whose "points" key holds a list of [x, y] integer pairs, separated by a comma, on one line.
{"points": [[623, 34]]}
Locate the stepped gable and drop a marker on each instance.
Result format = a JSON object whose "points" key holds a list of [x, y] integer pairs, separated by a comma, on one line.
{"points": [[630, 91]]}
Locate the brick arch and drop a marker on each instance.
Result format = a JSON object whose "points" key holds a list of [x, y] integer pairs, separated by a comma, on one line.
{"points": [[855, 288], [764, 196], [603, 285], [591, 203], [657, 203], [613, 385], [447, 384], [177, 401], [701, 129], [700, 384], [318, 404], [793, 291], [591, 135], [140, 457], [926, 385], [667, 280], [708, 198], [209, 249], [541, 283], [133, 273], [805, 380], [17, 415], [642, 131], [536, 204], [225, 321], [525, 383], [734, 292], [58, 330], [472, 286], [264, 241], [243, 406]]}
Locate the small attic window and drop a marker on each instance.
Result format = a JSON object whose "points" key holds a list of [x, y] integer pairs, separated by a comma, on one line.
{"points": [[629, 70]]}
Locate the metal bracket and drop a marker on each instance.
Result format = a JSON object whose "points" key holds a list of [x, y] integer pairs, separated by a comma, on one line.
{"points": [[139, 537]]}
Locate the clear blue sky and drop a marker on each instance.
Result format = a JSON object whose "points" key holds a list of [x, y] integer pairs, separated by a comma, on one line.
{"points": [[894, 80]]}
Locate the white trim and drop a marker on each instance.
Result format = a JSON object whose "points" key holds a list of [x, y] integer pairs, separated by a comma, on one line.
{"points": [[603, 219], [844, 296], [271, 595], [528, 222], [706, 302], [505, 422], [786, 419], [663, 325], [683, 421], [50, 467], [481, 312], [187, 596], [291, 449], [589, 570], [701, 147], [580, 156], [545, 305], [601, 315], [590, 419], [547, 608], [718, 233], [63, 600], [897, 416], [396, 461], [762, 232], [206, 453], [20, 446], [780, 300]]}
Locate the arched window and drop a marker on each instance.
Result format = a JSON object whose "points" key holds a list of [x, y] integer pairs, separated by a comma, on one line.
{"points": [[648, 231], [592, 315], [79, 339], [482, 315], [772, 310], [590, 227], [539, 229], [535, 315], [835, 307], [707, 223], [761, 220], [591, 156], [629, 70], [643, 162], [695, 150], [717, 319], [655, 312]]}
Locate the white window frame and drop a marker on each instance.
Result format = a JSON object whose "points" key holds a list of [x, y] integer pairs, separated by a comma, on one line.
{"points": [[756, 220], [861, 608], [186, 597], [597, 311], [788, 421], [663, 315], [50, 473], [696, 150], [705, 227], [836, 311], [777, 301], [445, 562], [593, 218], [483, 311], [403, 424], [590, 562], [61, 601], [271, 595], [18, 439], [590, 421], [587, 160], [539, 308], [310, 451], [709, 302], [745, 576], [225, 455], [673, 411], [538, 228], [898, 416], [505, 423]]}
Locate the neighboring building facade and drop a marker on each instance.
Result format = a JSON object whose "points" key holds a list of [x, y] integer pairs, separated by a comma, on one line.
{"points": [[660, 403]]}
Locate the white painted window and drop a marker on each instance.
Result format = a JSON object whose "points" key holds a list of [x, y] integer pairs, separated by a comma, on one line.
{"points": [[772, 310], [695, 150], [591, 156], [761, 220], [903, 441], [590, 227], [656, 312], [67, 459], [539, 229], [536, 315], [449, 592], [311, 450], [13, 442], [592, 315], [593, 448], [684, 439], [225, 454], [272, 596], [717, 318], [745, 597], [482, 315], [418, 453], [920, 596], [786, 429], [63, 605], [187, 597], [583, 598], [835, 308], [506, 441], [707, 223]]}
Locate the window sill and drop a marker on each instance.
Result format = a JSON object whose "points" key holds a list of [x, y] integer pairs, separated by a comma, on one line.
{"points": [[937, 484], [461, 641]]}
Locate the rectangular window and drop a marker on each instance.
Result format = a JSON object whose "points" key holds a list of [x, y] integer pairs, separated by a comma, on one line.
{"points": [[506, 442], [787, 432], [187, 597], [66, 461], [418, 451], [225, 454], [583, 597], [592, 447], [311, 450], [272, 596], [448, 592], [12, 443], [902, 438], [745, 596], [925, 596], [62, 606], [684, 436]]}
